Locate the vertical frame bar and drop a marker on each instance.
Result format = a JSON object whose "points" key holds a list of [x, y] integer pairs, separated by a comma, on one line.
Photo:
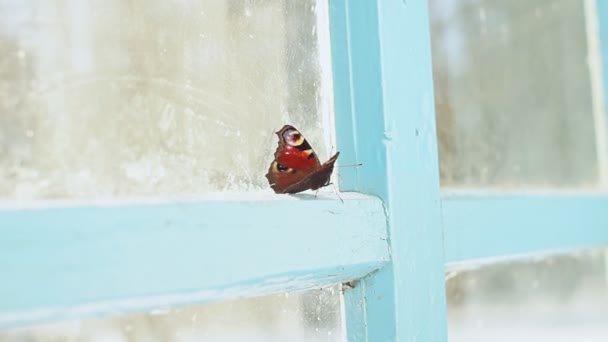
{"points": [[596, 63], [602, 20], [384, 95], [602, 14]]}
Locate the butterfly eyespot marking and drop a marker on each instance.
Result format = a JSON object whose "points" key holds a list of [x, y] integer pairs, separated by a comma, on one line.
{"points": [[293, 138], [281, 168]]}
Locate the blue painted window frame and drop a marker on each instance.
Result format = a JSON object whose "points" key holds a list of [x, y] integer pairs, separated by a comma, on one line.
{"points": [[394, 233]]}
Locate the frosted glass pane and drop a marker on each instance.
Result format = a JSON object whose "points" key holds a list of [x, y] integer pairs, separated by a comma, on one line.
{"points": [[558, 298], [311, 316], [104, 98], [513, 93]]}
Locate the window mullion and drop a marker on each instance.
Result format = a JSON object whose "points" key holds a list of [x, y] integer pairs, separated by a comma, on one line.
{"points": [[385, 97]]}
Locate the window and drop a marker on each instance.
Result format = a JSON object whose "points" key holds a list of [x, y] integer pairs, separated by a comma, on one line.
{"points": [[134, 151]]}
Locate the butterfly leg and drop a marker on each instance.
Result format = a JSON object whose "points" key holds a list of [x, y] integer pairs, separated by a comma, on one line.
{"points": [[336, 191]]}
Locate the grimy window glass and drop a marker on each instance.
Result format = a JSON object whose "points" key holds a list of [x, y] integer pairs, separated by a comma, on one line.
{"points": [[559, 297], [513, 94], [119, 98], [309, 316]]}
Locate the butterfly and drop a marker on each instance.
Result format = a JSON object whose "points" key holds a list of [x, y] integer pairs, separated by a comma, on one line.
{"points": [[296, 167]]}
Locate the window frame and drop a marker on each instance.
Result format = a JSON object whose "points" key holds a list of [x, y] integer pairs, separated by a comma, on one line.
{"points": [[394, 233]]}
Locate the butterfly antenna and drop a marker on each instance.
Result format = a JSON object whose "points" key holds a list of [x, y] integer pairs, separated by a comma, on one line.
{"points": [[350, 165]]}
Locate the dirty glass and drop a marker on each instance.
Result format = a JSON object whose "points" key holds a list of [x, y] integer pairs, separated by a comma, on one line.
{"points": [[515, 100], [310, 316], [107, 98], [552, 298]]}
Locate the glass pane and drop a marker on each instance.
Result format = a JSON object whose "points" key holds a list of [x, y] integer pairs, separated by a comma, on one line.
{"points": [[311, 316], [513, 93], [106, 98], [557, 298]]}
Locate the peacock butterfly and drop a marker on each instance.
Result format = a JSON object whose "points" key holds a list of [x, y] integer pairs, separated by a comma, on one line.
{"points": [[296, 167]]}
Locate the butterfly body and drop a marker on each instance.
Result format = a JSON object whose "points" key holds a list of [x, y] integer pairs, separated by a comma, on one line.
{"points": [[296, 167]]}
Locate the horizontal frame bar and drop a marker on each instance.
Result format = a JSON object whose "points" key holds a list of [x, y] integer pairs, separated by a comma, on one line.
{"points": [[71, 262], [487, 226]]}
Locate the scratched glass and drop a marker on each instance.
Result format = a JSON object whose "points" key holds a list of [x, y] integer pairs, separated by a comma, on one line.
{"points": [[517, 96], [310, 316], [107, 98], [555, 298]]}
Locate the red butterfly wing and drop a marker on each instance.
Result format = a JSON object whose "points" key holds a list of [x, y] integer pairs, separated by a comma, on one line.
{"points": [[296, 166], [316, 179]]}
